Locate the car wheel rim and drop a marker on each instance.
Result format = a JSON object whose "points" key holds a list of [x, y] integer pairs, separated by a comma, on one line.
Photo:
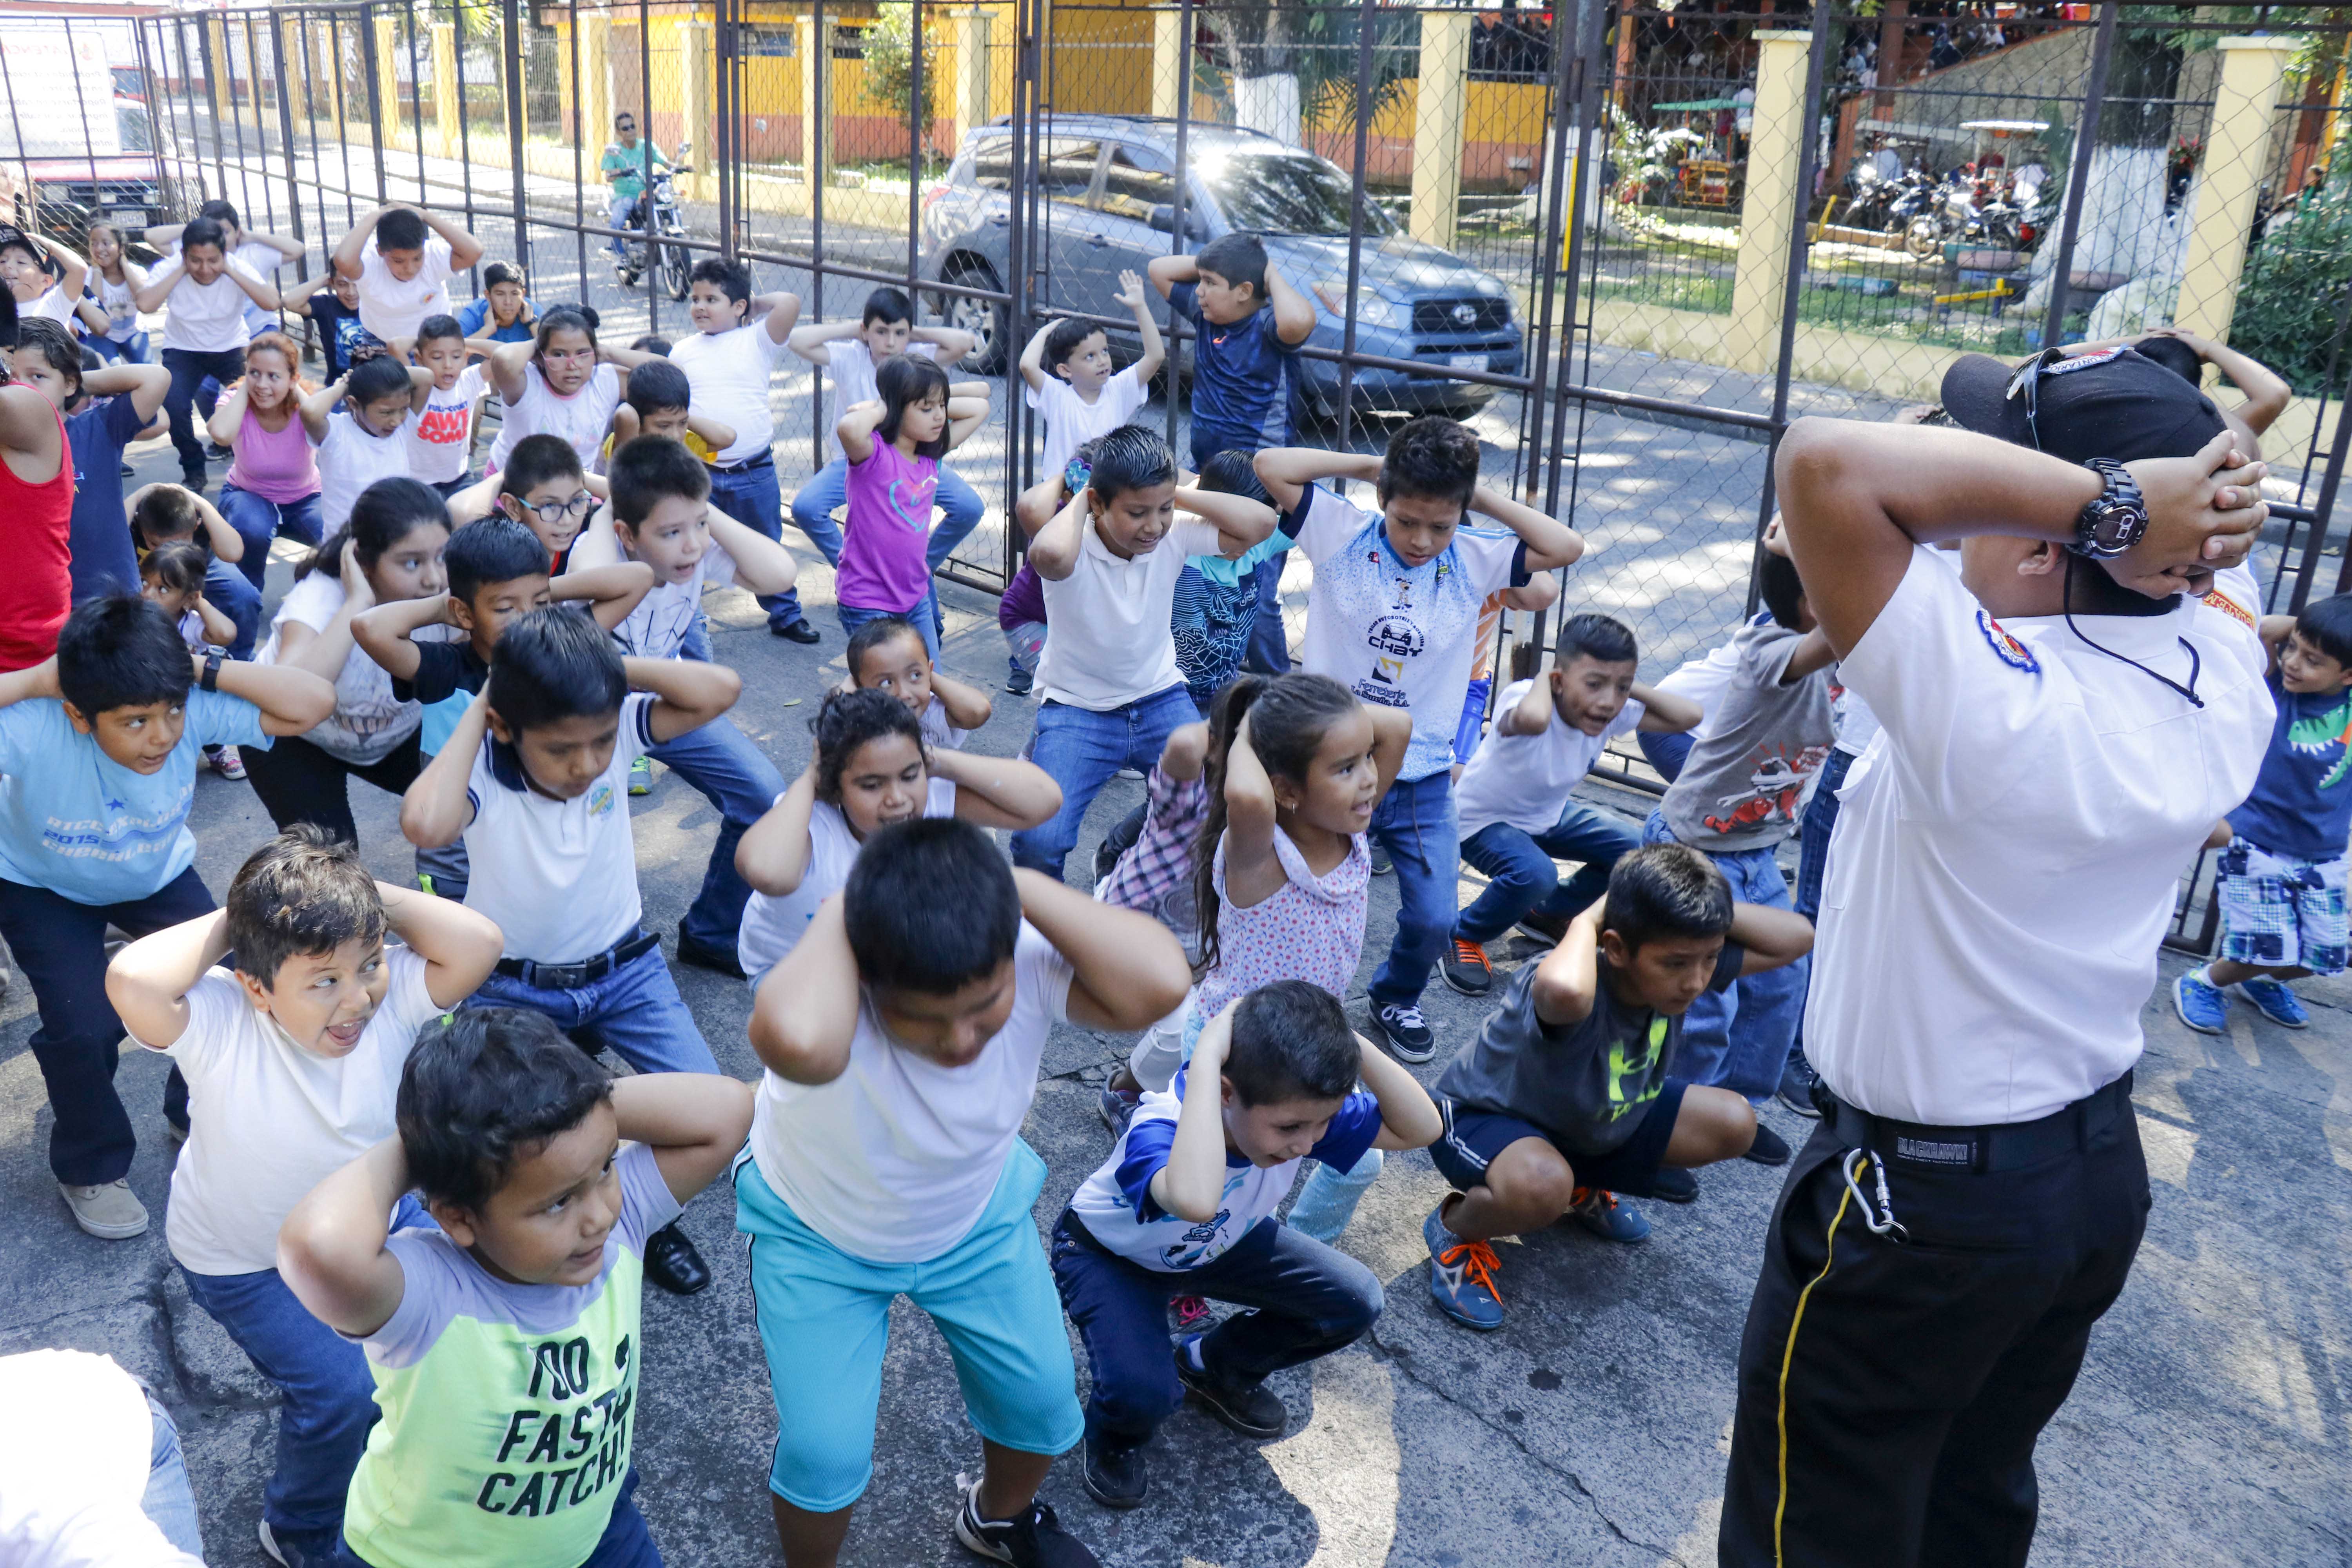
{"points": [[976, 317]]}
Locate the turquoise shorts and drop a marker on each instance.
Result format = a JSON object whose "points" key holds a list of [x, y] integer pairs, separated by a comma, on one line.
{"points": [[825, 1322]]}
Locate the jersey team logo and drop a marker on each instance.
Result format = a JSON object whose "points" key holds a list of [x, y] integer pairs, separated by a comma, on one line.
{"points": [[600, 799], [2005, 647], [2215, 599]]}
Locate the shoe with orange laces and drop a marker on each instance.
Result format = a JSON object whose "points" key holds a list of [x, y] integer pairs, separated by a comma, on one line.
{"points": [[1191, 1314], [1466, 969], [1461, 1276], [1600, 1213]]}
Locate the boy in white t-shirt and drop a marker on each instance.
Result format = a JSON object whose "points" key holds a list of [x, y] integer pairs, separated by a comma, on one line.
{"points": [[1068, 366], [1515, 801], [854, 352], [23, 267], [292, 1061], [441, 441], [535, 778], [407, 276], [361, 427], [889, 655], [901, 1039], [729, 361], [1107, 562], [661, 515]]}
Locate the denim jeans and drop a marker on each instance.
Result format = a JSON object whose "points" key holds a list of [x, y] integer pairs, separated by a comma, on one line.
{"points": [[1666, 753], [1269, 639], [168, 1502], [1328, 1201], [625, 1542], [1740, 1039], [736, 776], [1308, 1301], [237, 599], [924, 617], [131, 350], [1415, 821], [1082, 750], [327, 1394], [827, 491], [1024, 644], [190, 370], [62, 947], [752, 498], [258, 521], [1523, 878], [636, 1010]]}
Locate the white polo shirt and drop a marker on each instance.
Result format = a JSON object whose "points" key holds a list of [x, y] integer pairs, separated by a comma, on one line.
{"points": [[2007, 851], [394, 308], [731, 374], [1111, 644]]}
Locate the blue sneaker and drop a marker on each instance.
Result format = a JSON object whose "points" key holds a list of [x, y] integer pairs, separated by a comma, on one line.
{"points": [[1461, 1276], [2200, 1003], [2275, 1000], [1600, 1213]]}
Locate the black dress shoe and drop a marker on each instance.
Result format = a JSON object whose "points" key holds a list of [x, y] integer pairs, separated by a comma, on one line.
{"points": [[800, 632], [704, 955], [1675, 1185], [672, 1263], [1770, 1148]]}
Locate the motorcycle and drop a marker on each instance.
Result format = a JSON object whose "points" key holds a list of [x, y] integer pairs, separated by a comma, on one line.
{"points": [[655, 217], [1967, 208]]}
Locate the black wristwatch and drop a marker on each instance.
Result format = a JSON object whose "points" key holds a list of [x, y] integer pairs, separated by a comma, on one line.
{"points": [[2116, 520], [210, 680]]}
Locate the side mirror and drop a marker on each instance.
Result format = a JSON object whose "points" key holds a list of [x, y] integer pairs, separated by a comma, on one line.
{"points": [[1163, 218]]}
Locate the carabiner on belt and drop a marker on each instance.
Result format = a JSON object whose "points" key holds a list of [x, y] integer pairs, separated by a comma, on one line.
{"points": [[1884, 1222]]}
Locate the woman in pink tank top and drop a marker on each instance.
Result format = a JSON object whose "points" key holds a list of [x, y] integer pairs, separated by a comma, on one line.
{"points": [[273, 486]]}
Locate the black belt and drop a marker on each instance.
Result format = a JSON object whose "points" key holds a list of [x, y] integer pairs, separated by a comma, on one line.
{"points": [[764, 461], [1978, 1150], [587, 972]]}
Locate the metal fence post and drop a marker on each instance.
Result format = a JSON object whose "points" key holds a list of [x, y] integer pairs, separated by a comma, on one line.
{"points": [[1355, 220], [510, 27], [2086, 137]]}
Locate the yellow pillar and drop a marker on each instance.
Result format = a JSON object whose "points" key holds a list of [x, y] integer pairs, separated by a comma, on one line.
{"points": [[1167, 62], [816, 131], [326, 71], [592, 124], [970, 70], [445, 87], [2237, 157], [1438, 134], [1770, 208], [219, 74], [697, 107], [387, 80]]}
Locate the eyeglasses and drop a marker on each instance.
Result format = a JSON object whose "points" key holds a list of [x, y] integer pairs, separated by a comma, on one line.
{"points": [[552, 512]]}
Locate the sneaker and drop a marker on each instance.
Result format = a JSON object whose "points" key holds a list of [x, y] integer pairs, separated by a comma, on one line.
{"points": [[1461, 1276], [1546, 929], [425, 884], [1020, 683], [1190, 1314], [2275, 1000], [640, 776], [1116, 1475], [228, 764], [193, 479], [299, 1549], [2203, 1005], [1770, 1148], [1254, 1411], [1467, 970], [108, 1210], [1115, 1107], [1600, 1213], [1674, 1185], [717, 959], [1033, 1540], [1796, 1092], [1405, 1031], [216, 453], [1381, 864]]}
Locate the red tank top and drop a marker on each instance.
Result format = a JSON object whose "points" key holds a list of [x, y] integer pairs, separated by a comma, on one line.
{"points": [[36, 541]]}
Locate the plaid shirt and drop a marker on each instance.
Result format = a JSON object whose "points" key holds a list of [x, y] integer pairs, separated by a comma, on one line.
{"points": [[1161, 860]]}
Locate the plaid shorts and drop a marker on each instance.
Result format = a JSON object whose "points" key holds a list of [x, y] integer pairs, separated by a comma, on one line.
{"points": [[2278, 913]]}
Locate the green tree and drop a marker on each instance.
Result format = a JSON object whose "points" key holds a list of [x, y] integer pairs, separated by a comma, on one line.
{"points": [[889, 43]]}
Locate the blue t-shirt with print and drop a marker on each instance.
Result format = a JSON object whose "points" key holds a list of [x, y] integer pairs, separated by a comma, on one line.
{"points": [[2302, 805], [77, 822], [1213, 612], [1241, 379], [104, 561]]}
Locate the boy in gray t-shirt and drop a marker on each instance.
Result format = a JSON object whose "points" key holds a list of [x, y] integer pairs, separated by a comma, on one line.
{"points": [[1736, 799], [1571, 1095]]}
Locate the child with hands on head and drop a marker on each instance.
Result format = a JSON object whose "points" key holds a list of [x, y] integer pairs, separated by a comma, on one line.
{"points": [[25, 266], [901, 1039], [730, 361], [872, 766], [889, 655], [114, 282], [545, 1182], [894, 446], [560, 383], [105, 410], [441, 442], [173, 576], [164, 513], [407, 276], [544, 486], [205, 331], [361, 427], [1074, 384], [503, 313], [660, 401], [1186, 1204], [273, 486], [292, 1060]]}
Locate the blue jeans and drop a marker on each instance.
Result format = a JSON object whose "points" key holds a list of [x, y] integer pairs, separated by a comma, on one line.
{"points": [[924, 617], [636, 1010], [1740, 1039], [1415, 821], [1306, 1301], [168, 1503], [1814, 852], [131, 350], [1328, 1202], [1666, 753], [258, 521], [1269, 639], [1081, 750], [1523, 878], [753, 497], [625, 1542], [237, 599], [827, 491], [190, 370], [736, 776]]}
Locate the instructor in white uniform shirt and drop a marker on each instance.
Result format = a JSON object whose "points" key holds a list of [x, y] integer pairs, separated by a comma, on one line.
{"points": [[2064, 720]]}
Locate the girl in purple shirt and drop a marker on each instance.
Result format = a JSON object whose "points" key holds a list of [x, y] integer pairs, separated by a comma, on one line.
{"points": [[894, 445]]}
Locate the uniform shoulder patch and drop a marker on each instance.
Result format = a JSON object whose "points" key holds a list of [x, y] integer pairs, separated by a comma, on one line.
{"points": [[2005, 647], [2217, 599]]}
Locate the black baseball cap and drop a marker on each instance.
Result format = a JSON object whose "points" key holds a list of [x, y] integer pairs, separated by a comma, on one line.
{"points": [[2112, 403]]}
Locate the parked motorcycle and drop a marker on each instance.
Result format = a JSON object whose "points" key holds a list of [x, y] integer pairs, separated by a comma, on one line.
{"points": [[654, 219]]}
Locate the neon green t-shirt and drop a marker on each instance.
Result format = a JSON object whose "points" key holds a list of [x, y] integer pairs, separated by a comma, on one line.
{"points": [[508, 1410]]}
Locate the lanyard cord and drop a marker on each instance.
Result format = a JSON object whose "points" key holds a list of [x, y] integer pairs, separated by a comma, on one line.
{"points": [[2196, 660]]}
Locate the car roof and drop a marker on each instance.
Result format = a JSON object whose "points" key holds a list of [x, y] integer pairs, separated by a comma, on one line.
{"points": [[1150, 128]]}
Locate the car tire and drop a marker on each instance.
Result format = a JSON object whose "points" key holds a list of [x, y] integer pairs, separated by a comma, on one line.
{"points": [[989, 322]]}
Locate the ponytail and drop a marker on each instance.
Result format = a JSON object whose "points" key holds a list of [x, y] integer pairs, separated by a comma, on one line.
{"points": [[386, 512]]}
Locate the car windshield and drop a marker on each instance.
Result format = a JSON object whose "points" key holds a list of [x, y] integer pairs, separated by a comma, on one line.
{"points": [[1284, 192]]}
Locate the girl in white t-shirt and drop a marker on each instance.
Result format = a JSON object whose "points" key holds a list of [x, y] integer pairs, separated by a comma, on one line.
{"points": [[870, 768], [391, 549], [560, 383], [114, 284], [24, 264], [366, 438]]}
